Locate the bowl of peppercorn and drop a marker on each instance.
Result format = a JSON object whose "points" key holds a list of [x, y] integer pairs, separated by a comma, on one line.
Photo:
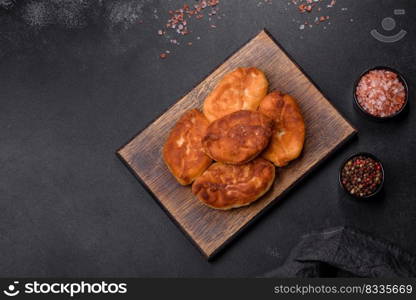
{"points": [[362, 175]]}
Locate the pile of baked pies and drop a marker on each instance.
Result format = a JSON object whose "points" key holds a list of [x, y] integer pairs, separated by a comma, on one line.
{"points": [[229, 151]]}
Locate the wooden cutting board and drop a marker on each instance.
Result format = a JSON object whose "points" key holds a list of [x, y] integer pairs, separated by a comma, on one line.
{"points": [[211, 229]]}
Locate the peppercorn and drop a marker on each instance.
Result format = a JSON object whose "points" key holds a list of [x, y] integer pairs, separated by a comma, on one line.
{"points": [[361, 176]]}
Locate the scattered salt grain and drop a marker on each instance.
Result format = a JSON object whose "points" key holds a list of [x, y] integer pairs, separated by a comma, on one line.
{"points": [[179, 19]]}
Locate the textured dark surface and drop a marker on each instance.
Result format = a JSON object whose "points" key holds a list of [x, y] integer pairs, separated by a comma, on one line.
{"points": [[77, 87], [346, 252]]}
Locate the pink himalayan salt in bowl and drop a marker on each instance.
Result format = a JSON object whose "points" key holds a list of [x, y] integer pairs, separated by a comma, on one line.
{"points": [[381, 93]]}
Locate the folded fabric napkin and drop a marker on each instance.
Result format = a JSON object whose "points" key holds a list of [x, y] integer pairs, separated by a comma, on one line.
{"points": [[346, 252]]}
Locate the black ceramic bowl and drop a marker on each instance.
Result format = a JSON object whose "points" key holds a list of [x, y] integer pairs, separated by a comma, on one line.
{"points": [[389, 117], [380, 186]]}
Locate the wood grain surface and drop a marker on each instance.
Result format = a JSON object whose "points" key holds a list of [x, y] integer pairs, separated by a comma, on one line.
{"points": [[211, 229]]}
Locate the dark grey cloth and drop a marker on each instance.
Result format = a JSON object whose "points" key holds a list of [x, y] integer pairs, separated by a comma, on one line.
{"points": [[346, 252]]}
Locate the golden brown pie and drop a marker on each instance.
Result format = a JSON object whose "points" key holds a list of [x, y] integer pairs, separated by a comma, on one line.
{"points": [[224, 186], [183, 152], [289, 128], [238, 137], [242, 89]]}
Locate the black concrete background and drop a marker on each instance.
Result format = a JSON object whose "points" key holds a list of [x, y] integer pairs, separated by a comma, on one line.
{"points": [[74, 90]]}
